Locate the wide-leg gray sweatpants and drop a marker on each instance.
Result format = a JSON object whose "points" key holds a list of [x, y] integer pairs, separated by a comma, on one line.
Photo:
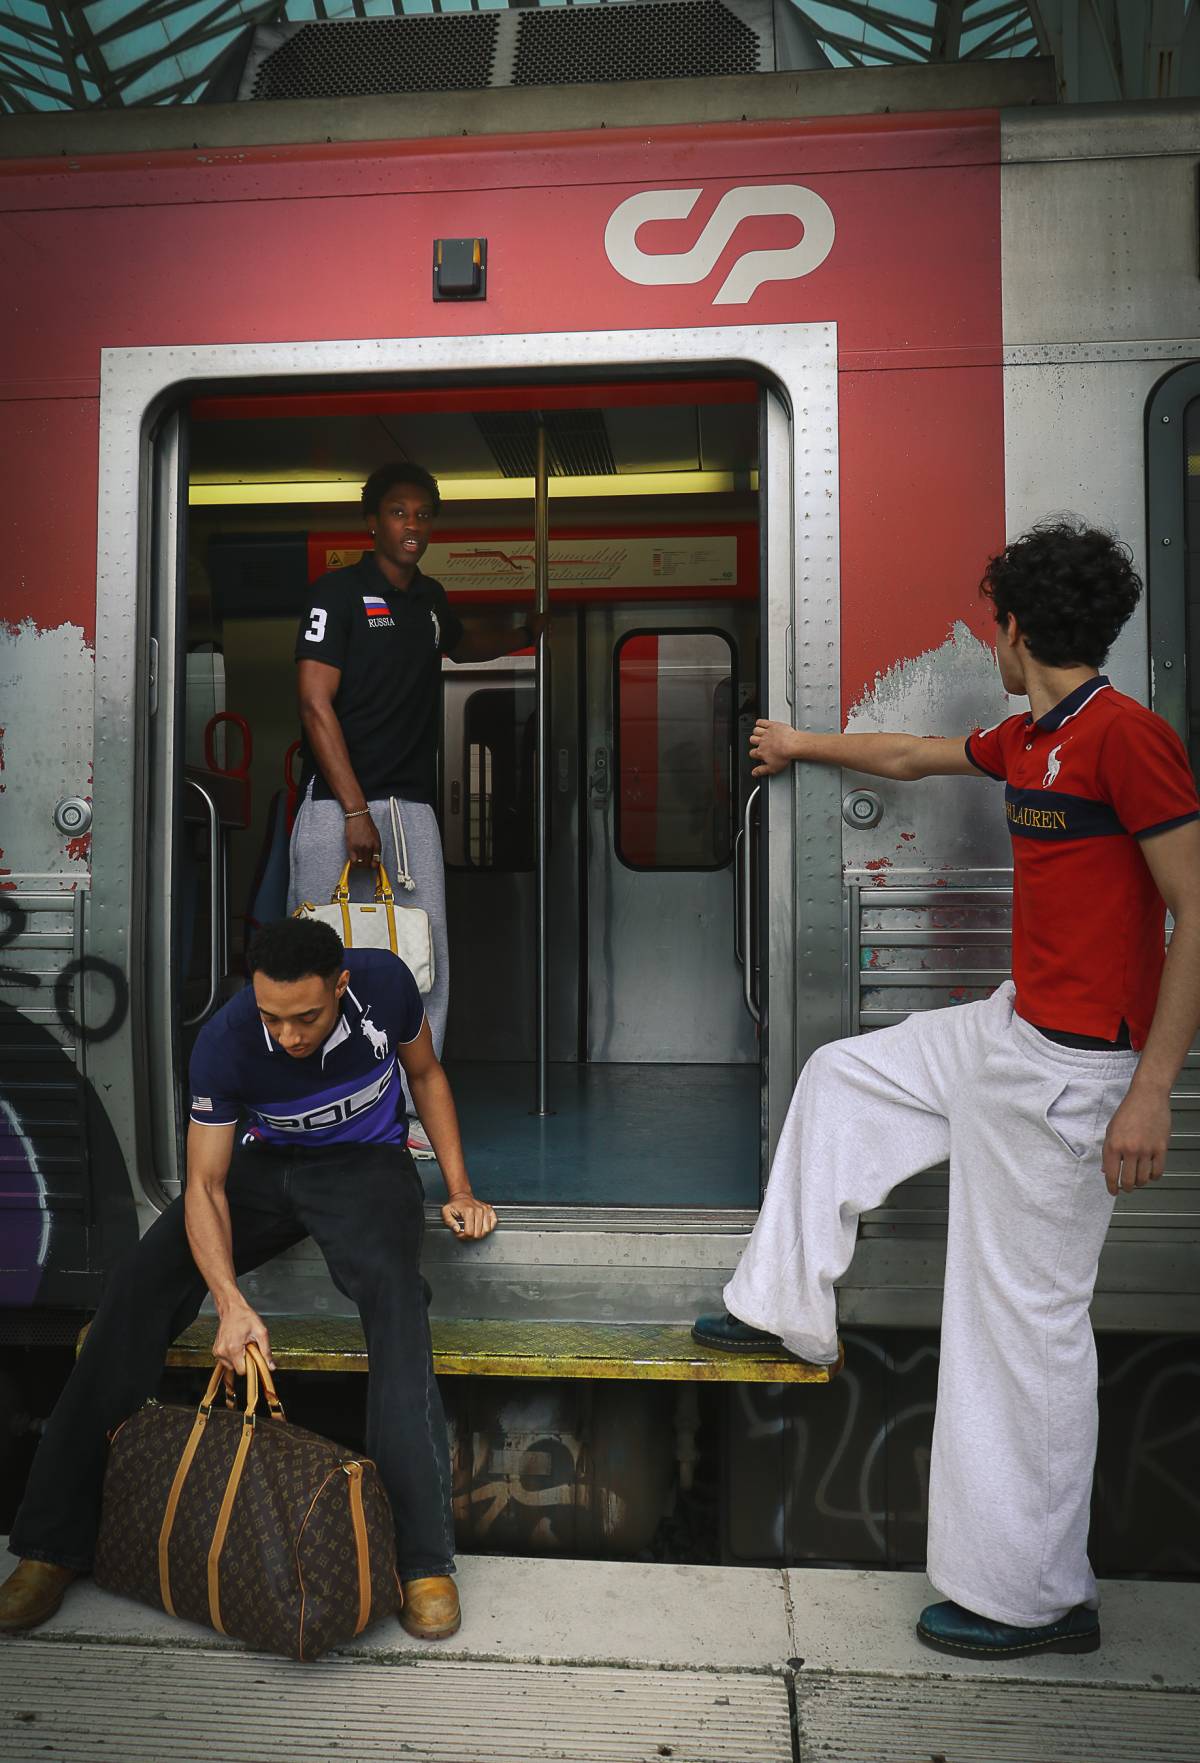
{"points": [[318, 854], [1022, 1121]]}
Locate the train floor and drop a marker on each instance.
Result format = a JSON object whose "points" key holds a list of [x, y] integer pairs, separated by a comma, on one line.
{"points": [[610, 1662], [619, 1135]]}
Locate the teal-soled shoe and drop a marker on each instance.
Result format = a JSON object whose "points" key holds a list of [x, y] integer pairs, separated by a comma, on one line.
{"points": [[951, 1629], [731, 1336]]}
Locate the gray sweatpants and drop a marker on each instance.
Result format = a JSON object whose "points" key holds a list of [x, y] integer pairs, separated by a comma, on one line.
{"points": [[318, 853], [1022, 1122]]}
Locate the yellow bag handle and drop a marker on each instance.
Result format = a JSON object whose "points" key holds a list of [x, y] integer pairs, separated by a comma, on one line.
{"points": [[383, 888]]}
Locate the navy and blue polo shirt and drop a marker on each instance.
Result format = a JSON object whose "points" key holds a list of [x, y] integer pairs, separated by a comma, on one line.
{"points": [[1083, 784], [347, 1093]]}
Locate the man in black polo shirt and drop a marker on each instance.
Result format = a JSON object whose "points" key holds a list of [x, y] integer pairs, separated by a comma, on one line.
{"points": [[369, 655], [297, 1129]]}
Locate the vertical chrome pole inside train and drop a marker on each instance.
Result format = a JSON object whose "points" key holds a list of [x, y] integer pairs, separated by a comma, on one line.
{"points": [[541, 593]]}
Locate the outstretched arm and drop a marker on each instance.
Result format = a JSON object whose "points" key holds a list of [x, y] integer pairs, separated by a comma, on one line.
{"points": [[1135, 1146], [463, 1213], [773, 745], [210, 1236], [486, 636]]}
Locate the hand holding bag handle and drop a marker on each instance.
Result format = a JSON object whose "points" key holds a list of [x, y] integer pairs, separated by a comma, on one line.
{"points": [[383, 887], [257, 1371], [404, 930], [384, 897]]}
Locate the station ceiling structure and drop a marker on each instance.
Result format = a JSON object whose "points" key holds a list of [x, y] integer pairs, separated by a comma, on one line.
{"points": [[113, 54]]}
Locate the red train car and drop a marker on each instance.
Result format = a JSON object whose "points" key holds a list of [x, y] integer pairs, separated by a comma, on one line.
{"points": [[798, 372]]}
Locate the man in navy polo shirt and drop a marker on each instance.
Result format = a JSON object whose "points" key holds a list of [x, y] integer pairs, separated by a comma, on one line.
{"points": [[1049, 1098], [298, 1128]]}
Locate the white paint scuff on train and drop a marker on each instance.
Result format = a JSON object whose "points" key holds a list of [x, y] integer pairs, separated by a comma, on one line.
{"points": [[944, 691], [47, 688]]}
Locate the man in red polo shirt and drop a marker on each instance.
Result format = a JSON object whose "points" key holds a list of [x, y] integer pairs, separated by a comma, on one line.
{"points": [[1049, 1098]]}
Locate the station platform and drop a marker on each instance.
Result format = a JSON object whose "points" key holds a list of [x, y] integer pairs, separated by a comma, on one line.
{"points": [[538, 1349], [610, 1662]]}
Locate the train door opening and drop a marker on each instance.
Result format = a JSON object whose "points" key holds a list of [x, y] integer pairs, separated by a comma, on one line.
{"points": [[652, 845]]}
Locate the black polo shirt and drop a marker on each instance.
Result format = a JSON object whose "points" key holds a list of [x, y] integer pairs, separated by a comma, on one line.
{"points": [[389, 645]]}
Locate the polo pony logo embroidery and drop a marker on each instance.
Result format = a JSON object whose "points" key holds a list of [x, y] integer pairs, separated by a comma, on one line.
{"points": [[1053, 765], [376, 1036]]}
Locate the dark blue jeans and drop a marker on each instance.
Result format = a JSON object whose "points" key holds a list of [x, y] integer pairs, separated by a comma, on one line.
{"points": [[363, 1206]]}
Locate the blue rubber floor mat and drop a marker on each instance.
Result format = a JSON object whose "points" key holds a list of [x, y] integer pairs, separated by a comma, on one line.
{"points": [[620, 1135]]}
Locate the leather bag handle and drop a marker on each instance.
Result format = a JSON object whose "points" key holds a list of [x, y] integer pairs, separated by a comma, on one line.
{"points": [[254, 1358], [258, 1374], [383, 887]]}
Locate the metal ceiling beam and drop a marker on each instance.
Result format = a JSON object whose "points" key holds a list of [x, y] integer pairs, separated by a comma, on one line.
{"points": [[1121, 49], [879, 18], [1010, 35], [947, 30], [1104, 49]]}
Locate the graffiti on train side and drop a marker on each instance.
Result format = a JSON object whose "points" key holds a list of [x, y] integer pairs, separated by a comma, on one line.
{"points": [[847, 1479], [580, 1469], [69, 1206], [14, 921]]}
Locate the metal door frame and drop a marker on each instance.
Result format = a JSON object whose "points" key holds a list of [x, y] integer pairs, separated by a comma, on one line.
{"points": [[797, 364]]}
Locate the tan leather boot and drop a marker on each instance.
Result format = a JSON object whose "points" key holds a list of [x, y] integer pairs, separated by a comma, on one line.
{"points": [[431, 1610], [31, 1594]]}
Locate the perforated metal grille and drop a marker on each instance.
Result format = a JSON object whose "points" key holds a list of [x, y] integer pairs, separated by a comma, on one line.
{"points": [[689, 39], [357, 58], [577, 443]]}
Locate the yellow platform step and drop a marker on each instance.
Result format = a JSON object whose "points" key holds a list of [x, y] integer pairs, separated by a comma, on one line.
{"points": [[519, 1349]]}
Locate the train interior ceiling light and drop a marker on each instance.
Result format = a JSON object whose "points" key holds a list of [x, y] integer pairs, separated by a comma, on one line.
{"points": [[633, 439], [648, 483], [111, 54]]}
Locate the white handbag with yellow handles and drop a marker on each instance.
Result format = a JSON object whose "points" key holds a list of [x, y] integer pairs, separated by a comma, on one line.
{"points": [[382, 924]]}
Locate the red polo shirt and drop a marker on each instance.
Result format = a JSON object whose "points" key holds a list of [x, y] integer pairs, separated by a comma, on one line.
{"points": [[1082, 785]]}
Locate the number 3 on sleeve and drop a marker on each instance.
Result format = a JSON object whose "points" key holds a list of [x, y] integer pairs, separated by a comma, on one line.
{"points": [[316, 625]]}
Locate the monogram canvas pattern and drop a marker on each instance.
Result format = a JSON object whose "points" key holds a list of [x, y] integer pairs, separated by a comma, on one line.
{"points": [[289, 1569]]}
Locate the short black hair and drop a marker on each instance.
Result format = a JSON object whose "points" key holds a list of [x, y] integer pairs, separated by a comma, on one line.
{"points": [[1070, 588], [296, 948], [400, 471]]}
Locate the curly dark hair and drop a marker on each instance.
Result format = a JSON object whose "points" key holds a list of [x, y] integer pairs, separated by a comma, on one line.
{"points": [[1070, 588], [400, 471], [296, 948]]}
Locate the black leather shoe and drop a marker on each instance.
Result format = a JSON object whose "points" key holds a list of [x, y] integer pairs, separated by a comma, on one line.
{"points": [[951, 1629], [731, 1336]]}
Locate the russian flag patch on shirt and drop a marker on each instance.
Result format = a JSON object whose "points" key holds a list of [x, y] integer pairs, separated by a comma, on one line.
{"points": [[376, 609]]}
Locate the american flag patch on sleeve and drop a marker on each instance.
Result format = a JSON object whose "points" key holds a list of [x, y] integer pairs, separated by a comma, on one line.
{"points": [[203, 1104]]}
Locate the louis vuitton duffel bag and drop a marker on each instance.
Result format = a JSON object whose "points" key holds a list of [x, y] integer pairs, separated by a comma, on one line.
{"points": [[240, 1520]]}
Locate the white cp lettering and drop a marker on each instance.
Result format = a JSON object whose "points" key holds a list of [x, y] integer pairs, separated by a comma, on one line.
{"points": [[660, 268]]}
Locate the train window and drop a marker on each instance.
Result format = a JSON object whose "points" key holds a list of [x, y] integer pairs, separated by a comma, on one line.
{"points": [[674, 749], [498, 740]]}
